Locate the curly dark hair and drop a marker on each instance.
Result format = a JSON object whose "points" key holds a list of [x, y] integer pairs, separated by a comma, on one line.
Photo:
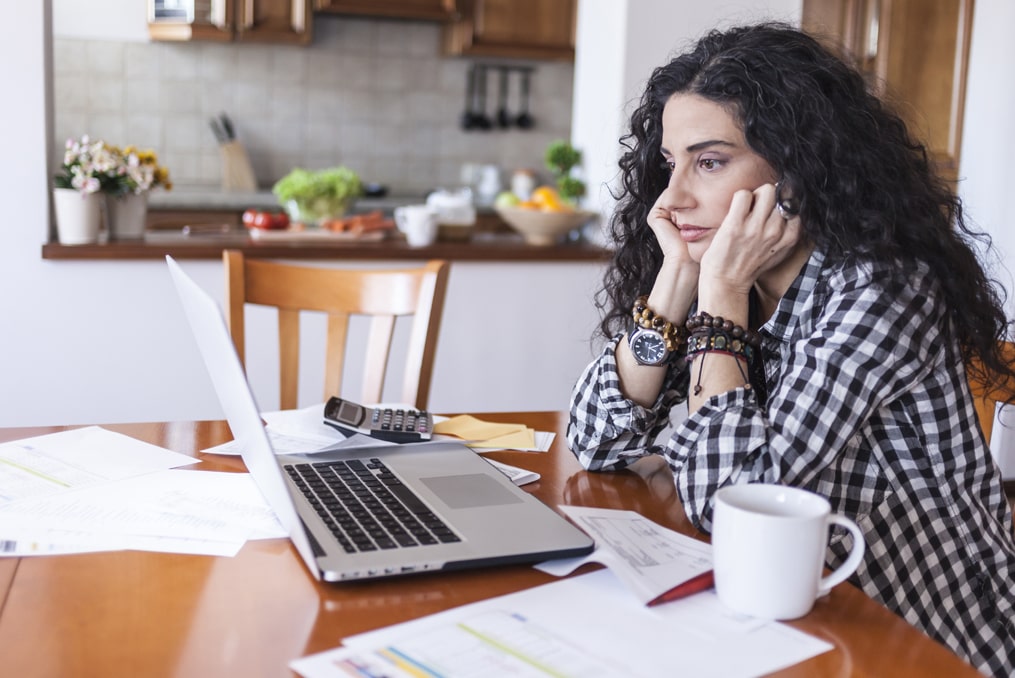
{"points": [[866, 188]]}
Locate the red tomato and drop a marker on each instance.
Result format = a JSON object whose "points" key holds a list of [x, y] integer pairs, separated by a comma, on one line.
{"points": [[248, 217], [280, 221], [262, 220]]}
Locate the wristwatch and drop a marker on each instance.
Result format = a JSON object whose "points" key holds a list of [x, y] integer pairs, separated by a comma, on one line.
{"points": [[648, 346]]}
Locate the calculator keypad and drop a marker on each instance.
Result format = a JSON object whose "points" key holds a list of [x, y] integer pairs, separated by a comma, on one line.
{"points": [[400, 425]]}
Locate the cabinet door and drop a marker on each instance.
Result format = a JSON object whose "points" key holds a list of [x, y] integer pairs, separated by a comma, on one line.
{"points": [[197, 20], [533, 29], [915, 54], [276, 21], [436, 10]]}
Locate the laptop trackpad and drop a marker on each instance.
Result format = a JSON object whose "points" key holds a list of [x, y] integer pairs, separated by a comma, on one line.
{"points": [[469, 491]]}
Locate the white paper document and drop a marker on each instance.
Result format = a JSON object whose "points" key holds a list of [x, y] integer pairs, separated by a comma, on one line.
{"points": [[586, 626], [48, 464], [649, 558], [176, 510]]}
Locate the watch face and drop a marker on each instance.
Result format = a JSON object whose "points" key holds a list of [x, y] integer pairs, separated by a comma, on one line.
{"points": [[648, 347]]}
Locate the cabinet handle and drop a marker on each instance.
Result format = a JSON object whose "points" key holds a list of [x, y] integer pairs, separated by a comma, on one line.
{"points": [[299, 16]]}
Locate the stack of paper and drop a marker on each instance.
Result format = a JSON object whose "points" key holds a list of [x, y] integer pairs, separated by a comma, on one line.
{"points": [[583, 626], [94, 490]]}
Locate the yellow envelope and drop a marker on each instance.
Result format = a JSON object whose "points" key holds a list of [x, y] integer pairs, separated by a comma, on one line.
{"points": [[467, 427], [519, 440]]}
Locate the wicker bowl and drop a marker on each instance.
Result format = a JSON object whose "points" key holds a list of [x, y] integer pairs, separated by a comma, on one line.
{"points": [[543, 228]]}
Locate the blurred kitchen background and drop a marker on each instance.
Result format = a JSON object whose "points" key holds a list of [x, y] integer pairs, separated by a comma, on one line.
{"points": [[100, 340], [375, 95]]}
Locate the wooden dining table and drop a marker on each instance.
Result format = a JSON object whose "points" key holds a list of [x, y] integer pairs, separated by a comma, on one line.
{"points": [[147, 614]]}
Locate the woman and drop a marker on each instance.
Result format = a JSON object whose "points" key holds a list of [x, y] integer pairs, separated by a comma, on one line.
{"points": [[832, 300]]}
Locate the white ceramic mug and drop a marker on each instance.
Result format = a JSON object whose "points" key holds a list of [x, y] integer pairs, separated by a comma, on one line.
{"points": [[418, 223], [768, 549]]}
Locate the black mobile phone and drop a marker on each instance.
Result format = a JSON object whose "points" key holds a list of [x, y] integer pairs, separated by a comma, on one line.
{"points": [[399, 425]]}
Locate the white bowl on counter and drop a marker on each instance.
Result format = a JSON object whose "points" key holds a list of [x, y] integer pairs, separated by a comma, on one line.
{"points": [[544, 228]]}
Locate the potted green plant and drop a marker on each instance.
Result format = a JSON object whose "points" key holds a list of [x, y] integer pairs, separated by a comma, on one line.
{"points": [[311, 197], [561, 159]]}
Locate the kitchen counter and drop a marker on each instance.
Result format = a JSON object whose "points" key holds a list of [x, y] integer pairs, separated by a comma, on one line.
{"points": [[496, 242], [482, 247]]}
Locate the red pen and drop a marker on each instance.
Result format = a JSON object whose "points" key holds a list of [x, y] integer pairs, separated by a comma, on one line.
{"points": [[696, 584]]}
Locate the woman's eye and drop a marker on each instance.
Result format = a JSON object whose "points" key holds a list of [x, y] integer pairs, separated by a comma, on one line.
{"points": [[710, 164], [667, 166]]}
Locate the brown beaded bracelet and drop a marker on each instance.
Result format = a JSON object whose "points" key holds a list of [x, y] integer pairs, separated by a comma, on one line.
{"points": [[720, 342], [673, 335], [703, 320]]}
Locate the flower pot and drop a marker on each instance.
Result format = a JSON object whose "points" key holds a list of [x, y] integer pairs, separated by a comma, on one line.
{"points": [[128, 215], [78, 216]]}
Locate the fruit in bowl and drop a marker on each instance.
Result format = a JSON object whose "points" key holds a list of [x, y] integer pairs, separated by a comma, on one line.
{"points": [[542, 219]]}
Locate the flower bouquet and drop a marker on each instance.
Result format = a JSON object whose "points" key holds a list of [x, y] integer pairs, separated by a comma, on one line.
{"points": [[93, 169]]}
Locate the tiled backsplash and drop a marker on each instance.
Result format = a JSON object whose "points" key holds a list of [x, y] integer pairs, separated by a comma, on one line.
{"points": [[375, 96]]}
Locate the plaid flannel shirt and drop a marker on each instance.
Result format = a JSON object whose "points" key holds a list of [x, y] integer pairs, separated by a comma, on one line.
{"points": [[868, 405]]}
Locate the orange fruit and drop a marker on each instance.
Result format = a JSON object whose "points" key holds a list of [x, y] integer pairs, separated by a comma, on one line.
{"points": [[545, 196], [549, 200]]}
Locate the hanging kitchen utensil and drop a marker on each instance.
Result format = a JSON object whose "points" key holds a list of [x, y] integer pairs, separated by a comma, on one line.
{"points": [[482, 119], [503, 118], [525, 120], [468, 116]]}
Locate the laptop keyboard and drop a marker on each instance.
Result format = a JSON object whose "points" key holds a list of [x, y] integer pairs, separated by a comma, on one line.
{"points": [[367, 507]]}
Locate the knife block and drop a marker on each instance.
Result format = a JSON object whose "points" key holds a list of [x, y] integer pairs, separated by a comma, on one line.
{"points": [[237, 173]]}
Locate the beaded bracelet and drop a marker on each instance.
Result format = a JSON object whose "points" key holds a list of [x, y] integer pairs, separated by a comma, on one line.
{"points": [[716, 335], [673, 335], [704, 320], [720, 342]]}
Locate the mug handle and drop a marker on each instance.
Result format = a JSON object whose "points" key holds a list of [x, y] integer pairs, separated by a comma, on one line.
{"points": [[399, 215], [852, 562]]}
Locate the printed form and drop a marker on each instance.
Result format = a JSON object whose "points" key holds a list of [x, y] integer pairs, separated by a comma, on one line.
{"points": [[560, 630]]}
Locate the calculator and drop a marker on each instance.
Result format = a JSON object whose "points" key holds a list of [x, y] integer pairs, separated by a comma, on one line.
{"points": [[402, 425]]}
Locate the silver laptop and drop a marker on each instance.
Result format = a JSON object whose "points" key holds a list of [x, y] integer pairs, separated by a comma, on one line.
{"points": [[383, 510]]}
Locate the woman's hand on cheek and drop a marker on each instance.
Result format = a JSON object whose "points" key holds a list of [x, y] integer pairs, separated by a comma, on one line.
{"points": [[667, 234], [753, 238]]}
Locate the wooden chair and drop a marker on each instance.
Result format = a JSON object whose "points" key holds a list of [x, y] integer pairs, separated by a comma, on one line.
{"points": [[985, 399], [383, 295]]}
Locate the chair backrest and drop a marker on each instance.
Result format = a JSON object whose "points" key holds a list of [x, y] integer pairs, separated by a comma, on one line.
{"points": [[985, 399], [383, 295]]}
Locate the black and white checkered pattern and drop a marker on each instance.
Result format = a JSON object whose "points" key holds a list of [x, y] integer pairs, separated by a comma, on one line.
{"points": [[867, 405]]}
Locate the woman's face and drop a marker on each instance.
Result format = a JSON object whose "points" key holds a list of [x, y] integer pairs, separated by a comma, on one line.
{"points": [[709, 161]]}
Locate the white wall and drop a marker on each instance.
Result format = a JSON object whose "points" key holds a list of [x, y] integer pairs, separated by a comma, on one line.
{"points": [[987, 173], [102, 342]]}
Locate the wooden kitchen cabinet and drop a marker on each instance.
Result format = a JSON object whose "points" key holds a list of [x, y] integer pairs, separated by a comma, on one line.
{"points": [[272, 21], [427, 10], [915, 54], [197, 220], [527, 29]]}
